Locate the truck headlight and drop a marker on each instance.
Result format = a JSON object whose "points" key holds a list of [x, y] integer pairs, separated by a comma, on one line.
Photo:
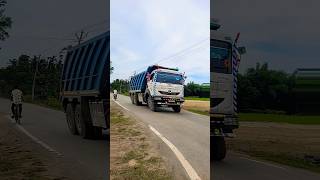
{"points": [[157, 98]]}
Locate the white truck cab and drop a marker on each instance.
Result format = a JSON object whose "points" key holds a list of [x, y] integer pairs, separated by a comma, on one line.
{"points": [[224, 63], [166, 88], [158, 86]]}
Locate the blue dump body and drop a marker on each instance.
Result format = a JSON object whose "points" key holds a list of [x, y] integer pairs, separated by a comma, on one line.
{"points": [[138, 82], [86, 67]]}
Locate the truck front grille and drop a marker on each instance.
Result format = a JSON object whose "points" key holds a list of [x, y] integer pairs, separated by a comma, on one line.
{"points": [[169, 93]]}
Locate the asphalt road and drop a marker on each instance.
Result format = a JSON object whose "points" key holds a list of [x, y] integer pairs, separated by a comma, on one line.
{"points": [[189, 132], [240, 167], [88, 157]]}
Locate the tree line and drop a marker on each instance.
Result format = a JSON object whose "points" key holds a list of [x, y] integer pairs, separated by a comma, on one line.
{"points": [[259, 89], [20, 72], [191, 88]]}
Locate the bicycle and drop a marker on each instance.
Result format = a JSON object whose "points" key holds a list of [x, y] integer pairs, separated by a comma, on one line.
{"points": [[17, 113], [115, 96]]}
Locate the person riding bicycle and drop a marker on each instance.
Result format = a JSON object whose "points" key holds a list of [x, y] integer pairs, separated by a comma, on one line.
{"points": [[115, 94], [16, 99]]}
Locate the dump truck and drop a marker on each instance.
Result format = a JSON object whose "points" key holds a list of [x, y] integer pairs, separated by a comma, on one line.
{"points": [[158, 86], [84, 92], [224, 63]]}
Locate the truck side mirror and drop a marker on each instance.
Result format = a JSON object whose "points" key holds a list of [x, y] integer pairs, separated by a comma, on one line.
{"points": [[242, 50]]}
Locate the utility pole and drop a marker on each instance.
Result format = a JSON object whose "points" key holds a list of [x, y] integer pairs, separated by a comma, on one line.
{"points": [[81, 36], [34, 77]]}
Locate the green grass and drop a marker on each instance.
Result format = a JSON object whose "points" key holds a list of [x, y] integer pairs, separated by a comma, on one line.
{"points": [[206, 113], [196, 98], [291, 119], [277, 118]]}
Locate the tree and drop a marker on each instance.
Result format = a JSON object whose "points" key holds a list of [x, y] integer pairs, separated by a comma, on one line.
{"points": [[261, 88], [20, 72], [5, 22], [192, 89], [121, 85]]}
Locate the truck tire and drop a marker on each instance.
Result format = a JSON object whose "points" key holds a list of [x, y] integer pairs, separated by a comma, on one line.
{"points": [[176, 109], [97, 132], [136, 100], [218, 148], [70, 119], [152, 105], [131, 97], [83, 127]]}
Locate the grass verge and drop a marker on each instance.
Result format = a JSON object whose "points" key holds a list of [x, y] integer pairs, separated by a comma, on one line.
{"points": [[260, 117], [197, 111], [196, 98], [131, 153]]}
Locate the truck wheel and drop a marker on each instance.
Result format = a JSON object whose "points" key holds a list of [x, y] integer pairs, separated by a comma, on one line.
{"points": [[97, 132], [136, 100], [218, 148], [70, 119], [152, 105], [131, 97], [176, 109], [84, 128]]}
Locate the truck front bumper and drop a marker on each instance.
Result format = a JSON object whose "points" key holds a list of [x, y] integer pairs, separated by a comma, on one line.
{"points": [[168, 101]]}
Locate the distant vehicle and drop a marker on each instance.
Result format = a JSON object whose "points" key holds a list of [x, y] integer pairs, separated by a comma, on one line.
{"points": [[85, 87], [224, 61], [115, 96], [158, 86]]}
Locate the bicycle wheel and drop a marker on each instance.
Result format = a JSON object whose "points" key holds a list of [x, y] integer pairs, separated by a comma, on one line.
{"points": [[16, 113]]}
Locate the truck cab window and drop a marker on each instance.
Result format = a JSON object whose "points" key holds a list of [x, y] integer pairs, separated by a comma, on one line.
{"points": [[164, 77], [151, 77], [220, 56]]}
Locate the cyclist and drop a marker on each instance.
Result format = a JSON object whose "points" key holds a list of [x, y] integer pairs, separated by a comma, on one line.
{"points": [[16, 99], [115, 94]]}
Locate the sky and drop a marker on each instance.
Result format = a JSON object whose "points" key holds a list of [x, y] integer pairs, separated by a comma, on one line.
{"points": [[285, 33], [46, 26], [168, 33]]}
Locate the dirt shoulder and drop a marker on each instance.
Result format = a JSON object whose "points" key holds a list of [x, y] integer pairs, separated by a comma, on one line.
{"points": [[293, 145], [133, 152], [197, 106], [22, 158]]}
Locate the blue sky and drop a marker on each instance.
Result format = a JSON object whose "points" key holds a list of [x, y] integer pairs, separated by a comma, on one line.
{"points": [[146, 32]]}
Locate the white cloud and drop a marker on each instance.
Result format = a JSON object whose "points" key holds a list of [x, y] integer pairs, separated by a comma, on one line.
{"points": [[165, 28]]}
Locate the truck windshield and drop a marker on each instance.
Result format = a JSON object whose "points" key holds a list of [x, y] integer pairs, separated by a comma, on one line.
{"points": [[220, 57], [164, 77]]}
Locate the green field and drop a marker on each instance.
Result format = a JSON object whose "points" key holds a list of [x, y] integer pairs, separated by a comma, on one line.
{"points": [[196, 98], [292, 119], [277, 118]]}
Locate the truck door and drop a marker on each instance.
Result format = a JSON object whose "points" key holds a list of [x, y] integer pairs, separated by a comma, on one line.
{"points": [[151, 85]]}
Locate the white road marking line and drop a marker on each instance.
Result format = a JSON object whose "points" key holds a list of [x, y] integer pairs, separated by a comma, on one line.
{"points": [[44, 145], [264, 163], [191, 172], [121, 105]]}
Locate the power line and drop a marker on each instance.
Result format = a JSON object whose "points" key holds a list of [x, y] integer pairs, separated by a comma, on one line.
{"points": [[178, 53]]}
